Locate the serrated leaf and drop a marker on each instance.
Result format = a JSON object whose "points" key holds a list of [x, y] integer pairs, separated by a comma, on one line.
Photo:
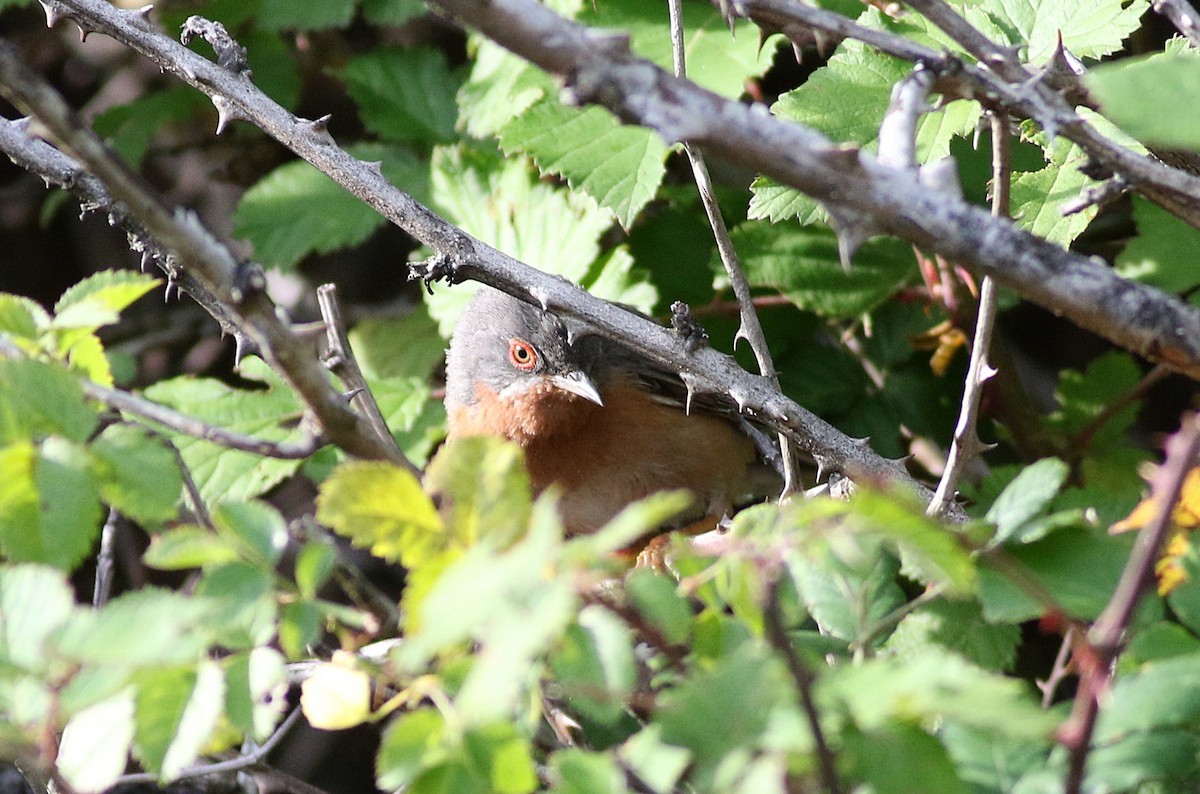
{"points": [[287, 15], [34, 601], [1162, 694], [94, 748], [39, 399], [1089, 28], [99, 299], [992, 762], [256, 528], [421, 754], [147, 627], [614, 277], [272, 414], [717, 59], [247, 604], [594, 665], [381, 506], [49, 503], [656, 598], [576, 771], [501, 87], [1026, 496], [803, 264], [890, 758], [177, 710], [1079, 569], [956, 626], [500, 201], [404, 94], [255, 691], [621, 167], [137, 474], [421, 349], [1038, 196], [484, 487], [296, 210], [1161, 253], [181, 548], [21, 317], [1133, 93], [84, 354], [934, 686], [846, 601]]}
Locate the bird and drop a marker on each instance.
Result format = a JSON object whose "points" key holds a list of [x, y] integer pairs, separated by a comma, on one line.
{"points": [[604, 424]]}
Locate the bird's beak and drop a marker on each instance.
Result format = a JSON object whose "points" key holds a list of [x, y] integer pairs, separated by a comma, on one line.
{"points": [[579, 384]]}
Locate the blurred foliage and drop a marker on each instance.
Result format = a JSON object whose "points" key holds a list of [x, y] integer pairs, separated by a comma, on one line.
{"points": [[517, 659]]}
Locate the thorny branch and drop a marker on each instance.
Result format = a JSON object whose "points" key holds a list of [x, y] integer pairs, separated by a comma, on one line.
{"points": [[749, 328], [459, 256], [998, 82], [1107, 636], [237, 287]]}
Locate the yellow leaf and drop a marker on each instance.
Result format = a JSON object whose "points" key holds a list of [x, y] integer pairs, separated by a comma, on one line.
{"points": [[1186, 514]]}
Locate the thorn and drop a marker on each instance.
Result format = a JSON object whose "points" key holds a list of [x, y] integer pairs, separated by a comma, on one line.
{"points": [[350, 395], [239, 350], [53, 12], [320, 125], [83, 33], [862, 443], [741, 335], [170, 283], [144, 11], [741, 398], [225, 113], [852, 229], [822, 466], [986, 371], [689, 385], [541, 296]]}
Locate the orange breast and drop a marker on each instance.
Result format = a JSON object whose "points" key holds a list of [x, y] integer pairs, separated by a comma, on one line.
{"points": [[605, 457]]}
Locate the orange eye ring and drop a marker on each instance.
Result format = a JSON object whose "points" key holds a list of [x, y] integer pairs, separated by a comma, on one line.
{"points": [[522, 355]]}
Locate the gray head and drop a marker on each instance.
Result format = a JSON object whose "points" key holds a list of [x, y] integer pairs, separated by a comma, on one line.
{"points": [[508, 345]]}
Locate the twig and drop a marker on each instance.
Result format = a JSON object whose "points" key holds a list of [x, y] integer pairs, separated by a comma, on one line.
{"points": [[1171, 188], [1062, 666], [1183, 15], [966, 445], [749, 327], [241, 289], [1083, 439], [104, 560], [804, 680], [340, 360], [232, 765], [1107, 636], [199, 508]]}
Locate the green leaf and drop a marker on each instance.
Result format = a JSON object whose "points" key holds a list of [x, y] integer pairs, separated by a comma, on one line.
{"points": [[848, 599], [500, 88], [500, 201], [374, 344], [594, 665], [1161, 252], [404, 94], [49, 503], [393, 12], [576, 771], [717, 58], [991, 762], [621, 167], [934, 686], [186, 547], [407, 742], [420, 754], [1026, 496], [137, 474], [1133, 93], [287, 15], [657, 763], [1168, 756], [739, 693], [1089, 28], [314, 566], [893, 758], [256, 691], [381, 506], [94, 748], [256, 528], [177, 710], [272, 413], [657, 599], [38, 399], [956, 626], [296, 210], [484, 486], [615, 278], [247, 602], [1163, 694], [145, 628], [21, 317], [99, 299], [132, 127], [1038, 196], [34, 602], [803, 264], [1079, 569]]}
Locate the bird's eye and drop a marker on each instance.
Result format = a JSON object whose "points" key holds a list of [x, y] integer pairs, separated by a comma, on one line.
{"points": [[522, 355]]}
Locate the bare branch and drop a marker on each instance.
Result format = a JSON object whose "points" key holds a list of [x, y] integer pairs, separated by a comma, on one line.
{"points": [[238, 287], [1183, 15], [749, 328], [1005, 87], [1107, 636], [459, 256]]}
